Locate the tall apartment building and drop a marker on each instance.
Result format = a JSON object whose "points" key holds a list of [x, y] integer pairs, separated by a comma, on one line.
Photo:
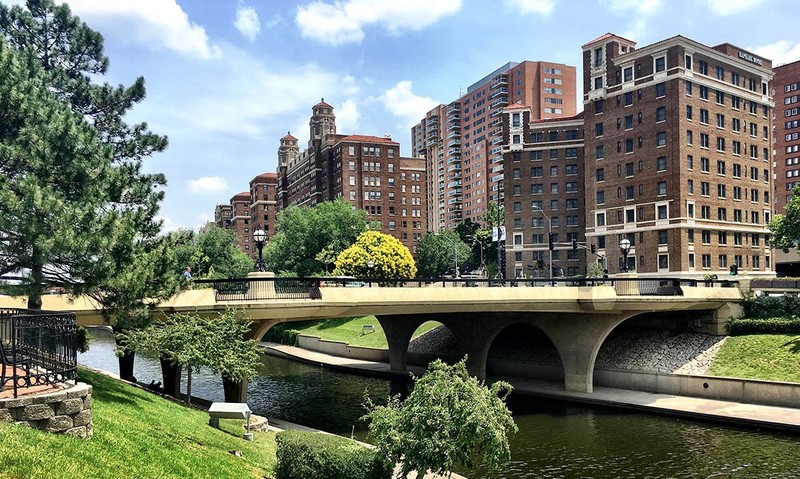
{"points": [[678, 142], [239, 209], [786, 130], [544, 192], [367, 171], [462, 140], [263, 204]]}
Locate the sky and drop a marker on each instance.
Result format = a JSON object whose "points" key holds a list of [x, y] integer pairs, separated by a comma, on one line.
{"points": [[226, 79]]}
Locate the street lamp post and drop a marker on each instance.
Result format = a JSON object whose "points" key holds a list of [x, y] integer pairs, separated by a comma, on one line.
{"points": [[625, 247], [260, 237], [549, 238], [480, 247], [455, 256]]}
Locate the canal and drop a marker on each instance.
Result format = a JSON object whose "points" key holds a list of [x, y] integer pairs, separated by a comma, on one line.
{"points": [[556, 439]]}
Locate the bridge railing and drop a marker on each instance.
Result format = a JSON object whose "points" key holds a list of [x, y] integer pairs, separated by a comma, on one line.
{"points": [[38, 348], [296, 288], [262, 289]]}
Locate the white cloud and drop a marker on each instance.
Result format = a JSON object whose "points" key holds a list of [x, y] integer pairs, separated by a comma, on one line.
{"points": [[168, 224], [343, 21], [730, 7], [347, 116], [542, 7], [780, 52], [642, 7], [247, 22], [402, 102], [207, 185], [157, 24]]}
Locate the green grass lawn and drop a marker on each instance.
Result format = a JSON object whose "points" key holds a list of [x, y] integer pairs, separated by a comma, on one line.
{"points": [[137, 435], [349, 330], [774, 357]]}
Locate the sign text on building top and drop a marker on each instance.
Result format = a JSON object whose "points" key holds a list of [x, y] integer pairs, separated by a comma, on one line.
{"points": [[751, 58]]}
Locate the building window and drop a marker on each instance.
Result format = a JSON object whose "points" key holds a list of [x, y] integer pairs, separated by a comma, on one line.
{"points": [[661, 138], [661, 64], [661, 163], [662, 188], [661, 90]]}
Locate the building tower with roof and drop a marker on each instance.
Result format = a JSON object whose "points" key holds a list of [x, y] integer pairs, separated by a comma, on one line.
{"points": [[366, 171], [461, 141], [678, 156]]}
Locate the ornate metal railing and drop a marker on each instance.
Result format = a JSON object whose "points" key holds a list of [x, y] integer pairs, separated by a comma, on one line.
{"points": [[38, 348], [261, 289]]}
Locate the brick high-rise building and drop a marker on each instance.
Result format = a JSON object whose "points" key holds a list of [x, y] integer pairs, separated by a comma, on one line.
{"points": [[240, 220], [678, 142], [367, 171], [462, 140], [544, 192], [263, 205], [786, 130]]}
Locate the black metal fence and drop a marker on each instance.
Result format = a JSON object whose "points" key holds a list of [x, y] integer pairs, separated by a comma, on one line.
{"points": [[260, 289], [38, 348]]}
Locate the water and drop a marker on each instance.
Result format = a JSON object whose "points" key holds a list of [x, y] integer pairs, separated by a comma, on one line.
{"points": [[556, 439]]}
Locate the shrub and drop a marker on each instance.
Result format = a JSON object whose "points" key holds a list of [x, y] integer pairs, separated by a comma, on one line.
{"points": [[771, 306], [303, 455], [741, 327], [286, 333]]}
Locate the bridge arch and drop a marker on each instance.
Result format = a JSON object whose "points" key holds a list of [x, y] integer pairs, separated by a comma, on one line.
{"points": [[523, 350]]}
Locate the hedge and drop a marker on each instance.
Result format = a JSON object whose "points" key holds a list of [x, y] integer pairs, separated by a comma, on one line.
{"points": [[771, 306], [741, 327], [304, 455]]}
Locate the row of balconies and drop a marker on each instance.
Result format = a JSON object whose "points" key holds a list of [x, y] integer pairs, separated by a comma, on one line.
{"points": [[502, 101], [498, 92], [500, 80]]}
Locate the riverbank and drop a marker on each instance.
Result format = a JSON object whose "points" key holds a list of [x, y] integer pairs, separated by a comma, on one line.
{"points": [[750, 415]]}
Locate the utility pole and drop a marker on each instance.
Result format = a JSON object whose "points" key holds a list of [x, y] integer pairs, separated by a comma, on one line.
{"points": [[550, 244]]}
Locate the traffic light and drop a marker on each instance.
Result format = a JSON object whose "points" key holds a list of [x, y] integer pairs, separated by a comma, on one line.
{"points": [[574, 243], [594, 249], [734, 269], [550, 242]]}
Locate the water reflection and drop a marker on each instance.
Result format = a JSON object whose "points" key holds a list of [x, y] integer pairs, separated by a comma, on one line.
{"points": [[556, 439]]}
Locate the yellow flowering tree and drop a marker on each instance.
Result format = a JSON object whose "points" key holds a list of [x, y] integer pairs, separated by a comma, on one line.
{"points": [[389, 257]]}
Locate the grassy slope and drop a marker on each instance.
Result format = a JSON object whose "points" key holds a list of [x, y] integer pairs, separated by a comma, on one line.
{"points": [[136, 435], [348, 330], [774, 357]]}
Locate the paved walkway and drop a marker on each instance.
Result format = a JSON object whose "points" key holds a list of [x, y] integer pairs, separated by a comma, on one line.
{"points": [[773, 417]]}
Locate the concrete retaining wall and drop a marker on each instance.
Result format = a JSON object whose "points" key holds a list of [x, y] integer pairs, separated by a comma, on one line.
{"points": [[729, 389], [68, 411]]}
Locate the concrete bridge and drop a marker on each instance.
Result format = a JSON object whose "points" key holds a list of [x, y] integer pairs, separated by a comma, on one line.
{"points": [[576, 319]]}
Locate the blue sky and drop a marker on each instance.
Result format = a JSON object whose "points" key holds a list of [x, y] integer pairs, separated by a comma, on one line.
{"points": [[227, 78]]}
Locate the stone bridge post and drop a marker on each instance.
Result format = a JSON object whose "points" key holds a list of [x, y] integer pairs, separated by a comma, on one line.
{"points": [[398, 330]]}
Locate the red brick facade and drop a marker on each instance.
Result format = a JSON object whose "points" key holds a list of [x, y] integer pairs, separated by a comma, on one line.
{"points": [[787, 132], [678, 156], [462, 140]]}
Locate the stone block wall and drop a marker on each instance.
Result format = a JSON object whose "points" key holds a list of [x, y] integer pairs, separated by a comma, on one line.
{"points": [[68, 411]]}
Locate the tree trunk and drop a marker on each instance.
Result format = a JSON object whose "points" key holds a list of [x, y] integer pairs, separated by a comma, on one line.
{"points": [[36, 288], [125, 363], [171, 377], [189, 385], [235, 391]]}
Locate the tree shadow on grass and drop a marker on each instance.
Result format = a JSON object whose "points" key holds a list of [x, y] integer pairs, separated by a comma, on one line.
{"points": [[109, 390], [793, 345], [335, 322]]}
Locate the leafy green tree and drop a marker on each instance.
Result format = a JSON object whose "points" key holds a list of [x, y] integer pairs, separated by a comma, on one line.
{"points": [[191, 341], [79, 179], [786, 227], [390, 258], [438, 254], [129, 297], [302, 233], [212, 253], [447, 419]]}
